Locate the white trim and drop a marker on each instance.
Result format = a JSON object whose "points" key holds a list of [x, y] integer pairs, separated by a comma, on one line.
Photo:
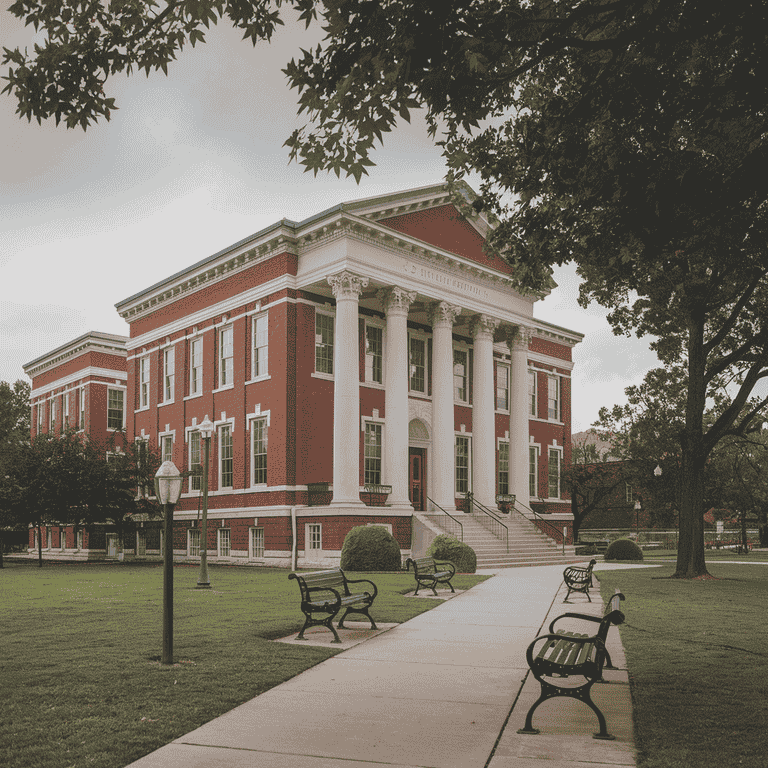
{"points": [[74, 379]]}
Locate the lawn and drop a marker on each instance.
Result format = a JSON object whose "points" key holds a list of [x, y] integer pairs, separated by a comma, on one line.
{"points": [[80, 675], [758, 556], [697, 652]]}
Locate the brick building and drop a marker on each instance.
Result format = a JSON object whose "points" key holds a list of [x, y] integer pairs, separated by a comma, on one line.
{"points": [[375, 343]]}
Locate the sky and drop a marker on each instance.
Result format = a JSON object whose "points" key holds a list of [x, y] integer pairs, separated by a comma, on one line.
{"points": [[189, 164]]}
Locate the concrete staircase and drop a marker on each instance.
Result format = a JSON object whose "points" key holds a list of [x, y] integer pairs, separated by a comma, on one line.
{"points": [[527, 544]]}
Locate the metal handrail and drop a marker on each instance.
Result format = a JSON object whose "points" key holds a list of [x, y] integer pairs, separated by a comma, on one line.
{"points": [[490, 517], [537, 516], [447, 514]]}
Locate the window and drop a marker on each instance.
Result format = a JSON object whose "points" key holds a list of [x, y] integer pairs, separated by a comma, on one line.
{"points": [[553, 398], [418, 365], [193, 542], [629, 495], [225, 457], [502, 388], [553, 486], [141, 543], [195, 366], [226, 358], [260, 346], [143, 491], [372, 454], [259, 451], [462, 464], [460, 375], [504, 468], [314, 535], [53, 415], [166, 447], [82, 409], [374, 354], [169, 373], [532, 393], [195, 461], [224, 542], [40, 416], [257, 542], [533, 471], [324, 343], [115, 417], [64, 412], [144, 382]]}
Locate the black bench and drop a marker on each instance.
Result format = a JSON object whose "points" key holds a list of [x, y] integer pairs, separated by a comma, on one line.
{"points": [[568, 654], [425, 570], [325, 593], [578, 579]]}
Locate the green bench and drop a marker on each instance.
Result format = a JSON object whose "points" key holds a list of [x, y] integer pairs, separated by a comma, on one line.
{"points": [[430, 572], [325, 593], [559, 655], [578, 579]]}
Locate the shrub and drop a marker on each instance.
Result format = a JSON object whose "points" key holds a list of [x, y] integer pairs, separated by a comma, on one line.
{"points": [[370, 548], [445, 547], [623, 549]]}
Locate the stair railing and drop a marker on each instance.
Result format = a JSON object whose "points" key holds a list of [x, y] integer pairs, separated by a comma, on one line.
{"points": [[449, 523], [537, 516], [488, 518]]}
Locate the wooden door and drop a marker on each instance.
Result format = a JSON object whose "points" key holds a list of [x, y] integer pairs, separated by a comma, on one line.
{"points": [[417, 477]]}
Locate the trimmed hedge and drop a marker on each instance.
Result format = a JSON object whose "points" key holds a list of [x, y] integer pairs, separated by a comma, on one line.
{"points": [[623, 549], [370, 548], [445, 547]]}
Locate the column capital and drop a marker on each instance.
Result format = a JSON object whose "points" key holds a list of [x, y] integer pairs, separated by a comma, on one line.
{"points": [[519, 337], [484, 326], [347, 285], [396, 299], [443, 313]]}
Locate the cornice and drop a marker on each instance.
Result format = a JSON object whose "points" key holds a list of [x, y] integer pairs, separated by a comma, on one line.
{"points": [[108, 343]]}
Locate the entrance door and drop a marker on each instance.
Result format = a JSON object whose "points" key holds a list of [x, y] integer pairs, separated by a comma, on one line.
{"points": [[417, 462]]}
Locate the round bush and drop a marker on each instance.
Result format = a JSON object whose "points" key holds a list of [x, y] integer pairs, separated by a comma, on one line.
{"points": [[623, 549], [370, 548], [445, 547]]}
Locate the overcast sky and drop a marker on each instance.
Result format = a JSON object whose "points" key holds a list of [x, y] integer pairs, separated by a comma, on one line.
{"points": [[189, 164]]}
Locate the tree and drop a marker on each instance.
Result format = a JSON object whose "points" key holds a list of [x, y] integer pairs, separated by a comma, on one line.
{"points": [[591, 485], [624, 135], [14, 413]]}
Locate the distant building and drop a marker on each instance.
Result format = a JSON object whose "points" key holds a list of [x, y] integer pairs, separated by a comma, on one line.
{"points": [[374, 344]]}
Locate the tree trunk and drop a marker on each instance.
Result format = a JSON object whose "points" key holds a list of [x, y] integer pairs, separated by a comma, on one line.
{"points": [[690, 549]]}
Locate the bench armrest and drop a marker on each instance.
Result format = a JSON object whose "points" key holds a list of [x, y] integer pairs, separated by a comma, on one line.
{"points": [[584, 616], [364, 581], [448, 563], [311, 590]]}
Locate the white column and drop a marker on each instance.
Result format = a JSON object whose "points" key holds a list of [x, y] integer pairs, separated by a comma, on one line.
{"points": [[346, 393], [518, 341], [396, 303], [443, 430], [483, 426]]}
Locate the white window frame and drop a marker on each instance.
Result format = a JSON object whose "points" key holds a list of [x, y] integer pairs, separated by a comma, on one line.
{"points": [[256, 543], [533, 394], [503, 446], [64, 411], [558, 451], [122, 411], [220, 435], [40, 416], [370, 475], [196, 366], [144, 382], [554, 382], [224, 542], [319, 344], [195, 481], [457, 489], [370, 357], [313, 533], [456, 397], [629, 494], [533, 471], [81, 414], [262, 419], [166, 440], [193, 542], [169, 375], [226, 357], [423, 340], [505, 368], [260, 351], [52, 414]]}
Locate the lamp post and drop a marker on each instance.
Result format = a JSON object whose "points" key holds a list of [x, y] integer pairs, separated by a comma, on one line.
{"points": [[168, 489], [638, 507], [206, 430]]}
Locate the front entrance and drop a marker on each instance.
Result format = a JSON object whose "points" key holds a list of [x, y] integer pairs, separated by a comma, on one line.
{"points": [[417, 474]]}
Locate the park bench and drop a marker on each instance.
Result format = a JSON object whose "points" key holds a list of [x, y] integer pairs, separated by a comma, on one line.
{"points": [[325, 593], [578, 579], [425, 570], [561, 654]]}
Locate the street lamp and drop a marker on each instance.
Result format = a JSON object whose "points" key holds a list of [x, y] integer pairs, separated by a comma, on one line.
{"points": [[168, 489], [206, 430], [638, 507]]}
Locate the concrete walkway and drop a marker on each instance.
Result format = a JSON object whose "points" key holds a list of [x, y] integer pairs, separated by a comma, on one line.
{"points": [[447, 689]]}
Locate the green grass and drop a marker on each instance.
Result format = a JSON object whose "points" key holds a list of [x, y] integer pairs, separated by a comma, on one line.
{"points": [[79, 662], [697, 652], [759, 556]]}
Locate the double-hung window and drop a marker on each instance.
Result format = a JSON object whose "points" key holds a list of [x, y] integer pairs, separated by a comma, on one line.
{"points": [[193, 542], [460, 374], [260, 346], [532, 410], [195, 461], [226, 472], [166, 447], [144, 382], [374, 354], [64, 411], [81, 415], [226, 357], [257, 542], [502, 388], [169, 373], [314, 536], [53, 414], [259, 451], [533, 471], [503, 468], [418, 364], [462, 464], [553, 485], [553, 398], [115, 412], [324, 343], [196, 366], [372, 454], [224, 542], [40, 416]]}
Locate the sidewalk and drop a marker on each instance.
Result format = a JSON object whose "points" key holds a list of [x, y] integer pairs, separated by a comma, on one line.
{"points": [[447, 689]]}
